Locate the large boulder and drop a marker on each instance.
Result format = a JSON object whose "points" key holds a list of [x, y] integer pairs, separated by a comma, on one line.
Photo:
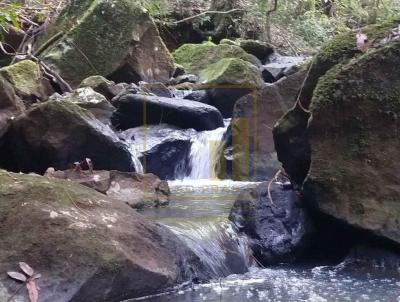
{"points": [[352, 141], [196, 57], [108, 38], [290, 134], [138, 109], [280, 229], [86, 246], [162, 149], [57, 134], [249, 145]]}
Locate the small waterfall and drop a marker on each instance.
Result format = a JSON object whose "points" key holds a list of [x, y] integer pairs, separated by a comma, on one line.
{"points": [[221, 249], [204, 153], [135, 158]]}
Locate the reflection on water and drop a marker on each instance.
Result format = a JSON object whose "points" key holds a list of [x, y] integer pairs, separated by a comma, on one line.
{"points": [[198, 215]]}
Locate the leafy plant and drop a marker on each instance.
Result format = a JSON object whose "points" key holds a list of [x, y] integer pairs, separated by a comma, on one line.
{"points": [[9, 15], [28, 277]]}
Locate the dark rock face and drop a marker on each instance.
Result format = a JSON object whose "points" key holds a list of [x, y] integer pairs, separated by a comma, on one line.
{"points": [[57, 134], [249, 148], [86, 246], [224, 99], [280, 229], [178, 112], [163, 150]]}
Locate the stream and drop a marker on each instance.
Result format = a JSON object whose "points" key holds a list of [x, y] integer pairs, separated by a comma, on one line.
{"points": [[198, 214]]}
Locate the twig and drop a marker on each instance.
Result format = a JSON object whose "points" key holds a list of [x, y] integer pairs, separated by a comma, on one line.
{"points": [[209, 12], [50, 41]]}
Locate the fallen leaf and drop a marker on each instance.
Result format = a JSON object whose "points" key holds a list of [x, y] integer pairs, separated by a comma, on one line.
{"points": [[33, 291], [36, 276], [26, 269], [17, 276]]}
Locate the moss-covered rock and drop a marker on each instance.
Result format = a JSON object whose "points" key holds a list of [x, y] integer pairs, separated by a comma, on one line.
{"points": [[196, 57], [86, 246], [232, 71], [26, 79], [290, 133], [103, 37], [354, 139]]}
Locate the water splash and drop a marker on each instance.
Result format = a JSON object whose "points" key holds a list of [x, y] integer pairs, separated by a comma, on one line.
{"points": [[204, 153]]}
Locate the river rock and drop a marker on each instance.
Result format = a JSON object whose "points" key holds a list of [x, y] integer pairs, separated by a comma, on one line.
{"points": [[117, 39], [249, 148], [354, 107], [228, 80], [196, 57], [90, 100], [86, 246], [280, 229], [163, 150], [201, 96], [178, 112], [57, 134]]}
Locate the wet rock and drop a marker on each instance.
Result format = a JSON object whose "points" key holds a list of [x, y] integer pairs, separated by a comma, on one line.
{"points": [[162, 149], [178, 112], [86, 246], [268, 76], [57, 134], [249, 148], [280, 229], [90, 100], [125, 45], [282, 66], [138, 190]]}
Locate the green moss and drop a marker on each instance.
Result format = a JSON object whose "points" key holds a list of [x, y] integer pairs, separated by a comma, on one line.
{"points": [[100, 39], [340, 50], [94, 81], [227, 41], [24, 76], [196, 57], [231, 71]]}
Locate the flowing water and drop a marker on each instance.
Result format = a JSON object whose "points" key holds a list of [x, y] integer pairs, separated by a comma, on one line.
{"points": [[198, 214]]}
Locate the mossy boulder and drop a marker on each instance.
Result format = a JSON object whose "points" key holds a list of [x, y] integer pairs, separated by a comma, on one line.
{"points": [[290, 134], [109, 38], [354, 140], [59, 133], [231, 71], [86, 246], [196, 57]]}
